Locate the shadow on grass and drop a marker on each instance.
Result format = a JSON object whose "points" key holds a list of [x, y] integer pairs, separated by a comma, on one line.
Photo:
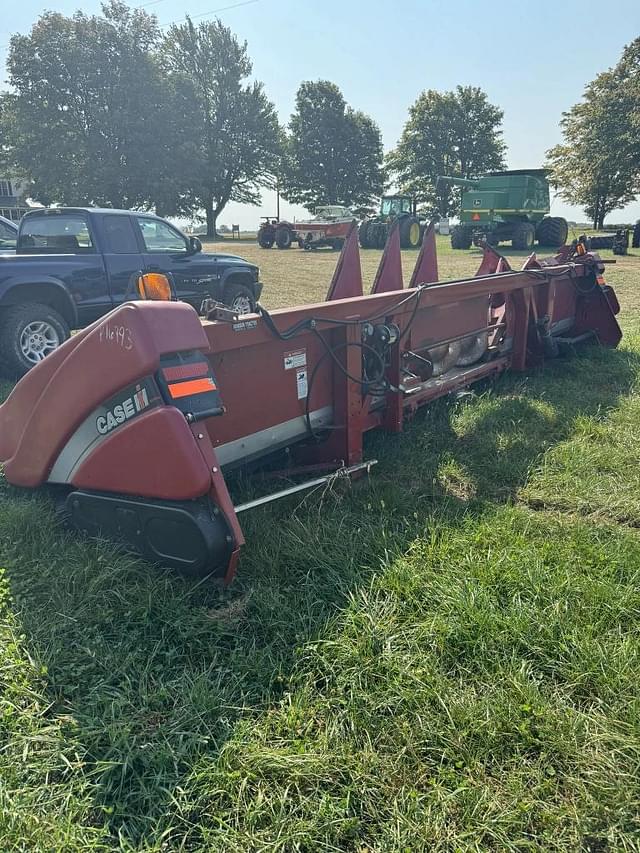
{"points": [[151, 672]]}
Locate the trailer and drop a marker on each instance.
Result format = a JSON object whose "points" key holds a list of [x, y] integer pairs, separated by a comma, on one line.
{"points": [[135, 421]]}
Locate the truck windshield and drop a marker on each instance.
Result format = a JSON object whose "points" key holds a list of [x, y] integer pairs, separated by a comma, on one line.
{"points": [[64, 233]]}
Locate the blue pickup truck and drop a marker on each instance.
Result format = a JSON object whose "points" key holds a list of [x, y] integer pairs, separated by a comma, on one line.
{"points": [[72, 265]]}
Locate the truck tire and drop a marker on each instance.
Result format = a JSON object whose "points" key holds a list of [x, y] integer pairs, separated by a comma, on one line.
{"points": [[363, 235], [409, 232], [524, 235], [552, 231], [28, 333], [461, 237], [240, 298], [284, 237]]}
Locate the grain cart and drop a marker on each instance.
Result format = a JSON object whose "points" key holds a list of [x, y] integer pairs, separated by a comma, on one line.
{"points": [[134, 423], [511, 205], [393, 208]]}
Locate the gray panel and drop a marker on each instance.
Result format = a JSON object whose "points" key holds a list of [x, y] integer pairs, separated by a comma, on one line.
{"points": [[273, 438]]}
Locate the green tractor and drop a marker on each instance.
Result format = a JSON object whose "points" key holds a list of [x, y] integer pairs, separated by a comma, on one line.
{"points": [[374, 232], [511, 205]]}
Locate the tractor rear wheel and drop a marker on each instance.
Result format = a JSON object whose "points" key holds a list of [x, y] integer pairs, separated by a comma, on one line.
{"points": [[266, 239], [524, 235], [552, 231], [381, 234], [461, 237], [363, 234], [409, 232], [284, 237]]}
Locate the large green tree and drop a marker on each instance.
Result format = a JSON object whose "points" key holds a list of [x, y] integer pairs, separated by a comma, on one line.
{"points": [[233, 130], [84, 120], [597, 166], [448, 133], [334, 153]]}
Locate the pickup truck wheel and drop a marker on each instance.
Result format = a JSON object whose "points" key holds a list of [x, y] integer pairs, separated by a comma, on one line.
{"points": [[28, 333], [240, 298]]}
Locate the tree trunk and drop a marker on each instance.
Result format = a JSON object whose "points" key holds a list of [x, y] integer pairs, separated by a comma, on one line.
{"points": [[211, 218]]}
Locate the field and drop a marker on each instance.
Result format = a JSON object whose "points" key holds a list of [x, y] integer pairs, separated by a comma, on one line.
{"points": [[444, 658]]}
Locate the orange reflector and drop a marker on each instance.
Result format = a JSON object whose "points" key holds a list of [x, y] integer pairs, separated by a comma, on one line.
{"points": [[195, 386], [154, 285], [580, 249], [191, 370], [600, 280], [476, 217]]}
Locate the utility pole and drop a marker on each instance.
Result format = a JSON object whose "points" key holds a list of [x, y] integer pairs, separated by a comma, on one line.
{"points": [[278, 199]]}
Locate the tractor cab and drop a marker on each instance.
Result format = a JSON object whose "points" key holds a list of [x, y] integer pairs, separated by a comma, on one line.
{"points": [[395, 205]]}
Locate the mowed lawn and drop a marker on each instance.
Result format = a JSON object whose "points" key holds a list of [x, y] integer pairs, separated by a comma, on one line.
{"points": [[443, 658]]}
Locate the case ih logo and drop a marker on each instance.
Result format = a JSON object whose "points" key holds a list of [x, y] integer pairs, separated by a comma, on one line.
{"points": [[123, 411]]}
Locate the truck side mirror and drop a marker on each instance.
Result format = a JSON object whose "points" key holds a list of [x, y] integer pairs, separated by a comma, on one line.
{"points": [[195, 245]]}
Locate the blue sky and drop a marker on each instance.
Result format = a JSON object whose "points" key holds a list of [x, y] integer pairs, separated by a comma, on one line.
{"points": [[532, 59]]}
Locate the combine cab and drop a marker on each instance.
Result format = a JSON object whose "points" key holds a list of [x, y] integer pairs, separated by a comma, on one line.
{"points": [[507, 206], [400, 208], [328, 227]]}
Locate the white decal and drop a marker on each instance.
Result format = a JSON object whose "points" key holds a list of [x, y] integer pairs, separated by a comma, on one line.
{"points": [[301, 380], [298, 358]]}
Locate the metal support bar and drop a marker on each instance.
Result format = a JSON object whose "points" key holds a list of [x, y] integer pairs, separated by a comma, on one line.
{"points": [[340, 474], [462, 337]]}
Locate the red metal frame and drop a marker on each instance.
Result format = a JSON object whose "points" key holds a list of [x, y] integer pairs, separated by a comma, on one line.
{"points": [[274, 372]]}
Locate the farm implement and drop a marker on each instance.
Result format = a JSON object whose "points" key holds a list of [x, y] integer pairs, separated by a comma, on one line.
{"points": [[510, 205], [329, 227], [134, 422]]}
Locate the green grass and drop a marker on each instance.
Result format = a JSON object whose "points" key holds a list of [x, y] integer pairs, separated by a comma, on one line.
{"points": [[444, 658]]}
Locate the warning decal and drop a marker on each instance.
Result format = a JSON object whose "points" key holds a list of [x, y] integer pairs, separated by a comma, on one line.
{"points": [[301, 379], [296, 359]]}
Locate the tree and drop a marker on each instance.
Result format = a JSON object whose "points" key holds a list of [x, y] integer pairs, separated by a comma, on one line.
{"points": [[84, 120], [236, 138], [448, 133], [334, 153], [598, 164]]}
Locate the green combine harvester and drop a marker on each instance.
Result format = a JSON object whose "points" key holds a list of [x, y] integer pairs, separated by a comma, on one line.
{"points": [[511, 205]]}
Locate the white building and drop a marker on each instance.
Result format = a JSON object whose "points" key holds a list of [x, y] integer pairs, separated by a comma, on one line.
{"points": [[12, 198]]}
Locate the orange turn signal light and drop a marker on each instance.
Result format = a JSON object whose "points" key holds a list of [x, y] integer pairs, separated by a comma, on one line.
{"points": [[154, 285]]}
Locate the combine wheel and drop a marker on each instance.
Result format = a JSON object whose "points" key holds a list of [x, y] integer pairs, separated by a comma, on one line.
{"points": [[552, 231], [363, 234], [409, 232], [473, 348], [380, 236], [445, 357], [461, 237], [284, 237], [524, 236]]}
